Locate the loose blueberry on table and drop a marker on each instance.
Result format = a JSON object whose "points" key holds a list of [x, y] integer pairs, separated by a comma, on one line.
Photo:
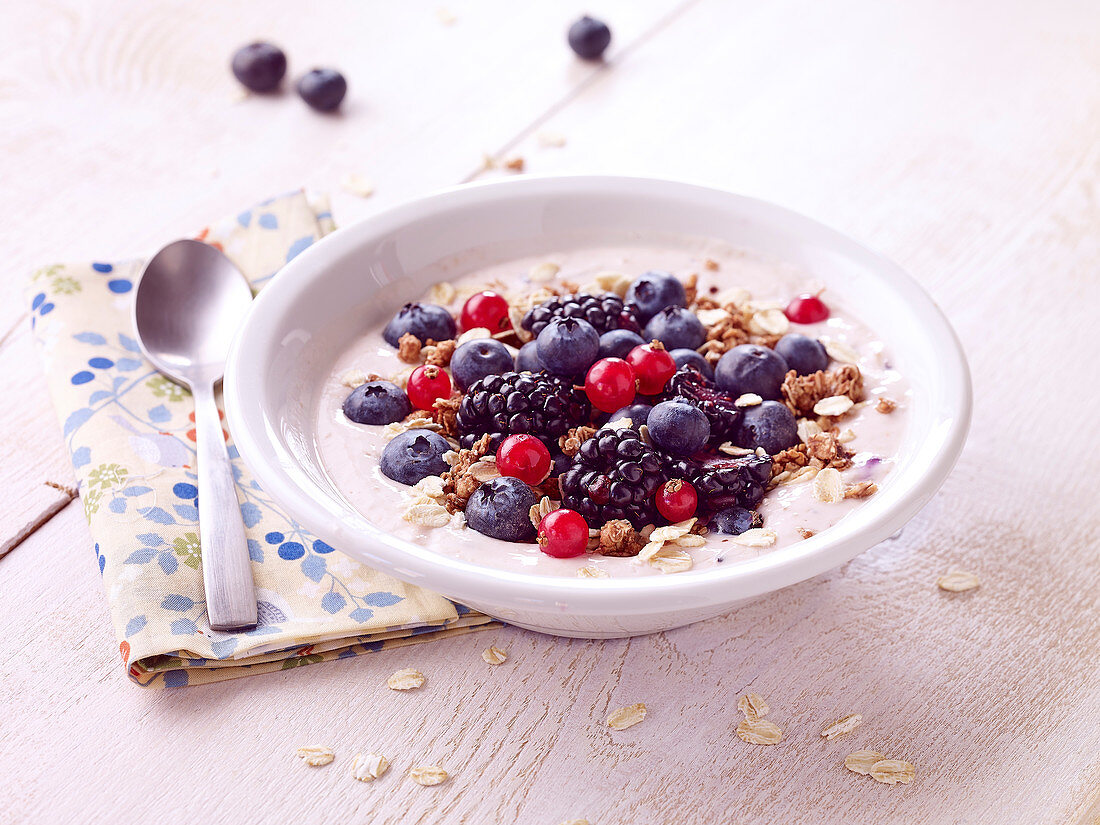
{"points": [[322, 89], [259, 67]]}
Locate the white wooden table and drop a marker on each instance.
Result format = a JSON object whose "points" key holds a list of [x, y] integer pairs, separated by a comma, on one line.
{"points": [[960, 139]]}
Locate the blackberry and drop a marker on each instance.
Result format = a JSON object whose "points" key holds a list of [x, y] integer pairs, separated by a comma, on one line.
{"points": [[614, 475], [521, 403], [689, 384], [735, 482], [604, 312]]}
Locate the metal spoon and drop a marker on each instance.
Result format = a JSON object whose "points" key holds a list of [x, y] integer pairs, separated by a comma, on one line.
{"points": [[189, 303]]}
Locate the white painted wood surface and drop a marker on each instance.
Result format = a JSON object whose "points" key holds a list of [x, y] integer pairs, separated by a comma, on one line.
{"points": [[959, 139]]}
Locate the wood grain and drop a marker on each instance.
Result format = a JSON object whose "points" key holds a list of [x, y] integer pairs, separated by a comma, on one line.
{"points": [[959, 139]]}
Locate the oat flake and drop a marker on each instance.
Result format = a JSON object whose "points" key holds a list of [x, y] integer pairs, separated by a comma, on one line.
{"points": [[357, 185], [671, 559], [473, 335], [710, 317], [862, 761], [807, 429], [833, 405], [575, 822], [957, 581], [749, 399], [353, 378], [828, 485], [366, 767], [729, 448], [841, 726], [753, 706], [539, 511], [428, 775], [629, 716], [442, 293], [615, 282], [759, 732], [839, 351], [590, 572], [755, 537], [893, 771], [770, 322], [494, 655], [426, 513], [407, 679], [541, 273], [315, 755]]}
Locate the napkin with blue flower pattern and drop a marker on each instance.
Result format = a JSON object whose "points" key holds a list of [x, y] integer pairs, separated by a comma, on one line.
{"points": [[131, 435]]}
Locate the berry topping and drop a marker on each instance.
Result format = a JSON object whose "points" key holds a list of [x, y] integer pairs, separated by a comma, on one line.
{"points": [[735, 520], [610, 384], [501, 509], [322, 89], [377, 402], [652, 365], [727, 482], [683, 357], [523, 403], [653, 291], [259, 66], [807, 309], [568, 346], [414, 455], [524, 457], [604, 312], [475, 359], [637, 413], [589, 38], [425, 321], [426, 384], [563, 534], [486, 309], [803, 355], [769, 425], [615, 475], [677, 500], [751, 368], [719, 407], [617, 343], [676, 328], [528, 358], [678, 428]]}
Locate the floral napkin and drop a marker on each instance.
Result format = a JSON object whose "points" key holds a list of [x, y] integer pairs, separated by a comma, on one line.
{"points": [[131, 435]]}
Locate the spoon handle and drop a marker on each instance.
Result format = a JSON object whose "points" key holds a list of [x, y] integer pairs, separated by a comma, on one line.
{"points": [[226, 566]]}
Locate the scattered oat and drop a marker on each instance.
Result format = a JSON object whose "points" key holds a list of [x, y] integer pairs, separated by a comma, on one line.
{"points": [[957, 581], [690, 540], [833, 405], [366, 767], [671, 559], [485, 468], [759, 732], [615, 282], [629, 716], [846, 436], [544, 507], [407, 679], [886, 406], [862, 489], [755, 537], [575, 822], [315, 755], [839, 351], [417, 423], [590, 572], [769, 322], [729, 448], [541, 273], [806, 533], [430, 486], [659, 536], [473, 335], [828, 485], [555, 140], [357, 185], [428, 775], [514, 164], [425, 512], [711, 317], [353, 378], [571, 442], [753, 706], [711, 264], [893, 771], [749, 399], [861, 762], [442, 293], [494, 655], [808, 428], [842, 726]]}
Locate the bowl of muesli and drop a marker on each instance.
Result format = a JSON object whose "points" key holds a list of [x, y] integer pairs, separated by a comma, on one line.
{"points": [[597, 406]]}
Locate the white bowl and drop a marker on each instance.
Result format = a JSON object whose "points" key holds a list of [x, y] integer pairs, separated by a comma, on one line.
{"points": [[361, 274]]}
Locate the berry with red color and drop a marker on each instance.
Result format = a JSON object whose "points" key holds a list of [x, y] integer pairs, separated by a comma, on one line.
{"points": [[807, 309], [653, 366], [426, 384], [563, 534], [524, 457], [610, 384], [486, 309], [677, 500]]}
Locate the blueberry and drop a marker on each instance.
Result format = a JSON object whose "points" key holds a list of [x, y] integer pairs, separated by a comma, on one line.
{"points": [[769, 425], [377, 402], [676, 328], [562, 463], [637, 413], [735, 520], [751, 368], [422, 320], [528, 358], [322, 89], [616, 343], [684, 357], [414, 455], [803, 354], [568, 346], [475, 359], [653, 291], [589, 38], [501, 509], [679, 428], [259, 66]]}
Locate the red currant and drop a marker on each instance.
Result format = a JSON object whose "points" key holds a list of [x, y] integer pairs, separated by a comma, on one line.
{"points": [[486, 309], [426, 384], [524, 457], [676, 500], [610, 384], [563, 534], [807, 309], [653, 366]]}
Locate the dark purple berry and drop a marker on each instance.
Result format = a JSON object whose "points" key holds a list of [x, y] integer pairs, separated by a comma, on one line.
{"points": [[769, 425], [804, 355], [589, 38], [259, 66], [750, 368], [322, 89]]}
